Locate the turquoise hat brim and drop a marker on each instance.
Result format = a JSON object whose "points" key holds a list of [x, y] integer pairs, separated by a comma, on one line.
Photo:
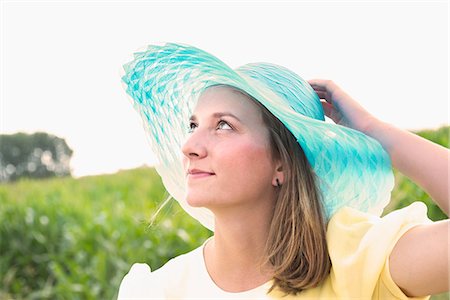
{"points": [[165, 83]]}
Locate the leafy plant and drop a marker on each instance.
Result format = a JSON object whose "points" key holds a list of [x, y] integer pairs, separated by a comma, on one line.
{"points": [[76, 238]]}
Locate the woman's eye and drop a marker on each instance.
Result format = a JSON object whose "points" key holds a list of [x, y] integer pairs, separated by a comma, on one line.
{"points": [[192, 126], [223, 125]]}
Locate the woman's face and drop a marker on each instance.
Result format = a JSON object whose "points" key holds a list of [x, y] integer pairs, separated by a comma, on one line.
{"points": [[227, 155]]}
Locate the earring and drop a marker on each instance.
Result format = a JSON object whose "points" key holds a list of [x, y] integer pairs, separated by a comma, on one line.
{"points": [[278, 182]]}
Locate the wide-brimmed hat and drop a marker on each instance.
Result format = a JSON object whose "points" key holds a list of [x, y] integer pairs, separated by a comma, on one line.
{"points": [[165, 83]]}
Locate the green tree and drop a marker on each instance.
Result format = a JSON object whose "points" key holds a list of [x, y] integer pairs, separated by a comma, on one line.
{"points": [[37, 155]]}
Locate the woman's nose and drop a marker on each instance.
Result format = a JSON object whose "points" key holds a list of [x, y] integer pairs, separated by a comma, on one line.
{"points": [[194, 146]]}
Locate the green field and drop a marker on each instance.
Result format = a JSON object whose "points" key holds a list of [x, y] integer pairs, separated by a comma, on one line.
{"points": [[71, 238]]}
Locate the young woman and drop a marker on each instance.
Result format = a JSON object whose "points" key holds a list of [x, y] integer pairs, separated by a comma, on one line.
{"points": [[293, 200]]}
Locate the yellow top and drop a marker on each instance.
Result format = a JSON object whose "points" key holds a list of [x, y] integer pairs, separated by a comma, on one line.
{"points": [[359, 246]]}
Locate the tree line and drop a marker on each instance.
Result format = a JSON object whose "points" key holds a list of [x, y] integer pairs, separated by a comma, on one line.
{"points": [[37, 155]]}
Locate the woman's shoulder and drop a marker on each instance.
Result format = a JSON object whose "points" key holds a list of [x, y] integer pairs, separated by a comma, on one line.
{"points": [[143, 283], [138, 283], [351, 223], [358, 235], [359, 245]]}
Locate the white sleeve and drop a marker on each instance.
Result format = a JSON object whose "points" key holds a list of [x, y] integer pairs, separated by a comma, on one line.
{"points": [[140, 283]]}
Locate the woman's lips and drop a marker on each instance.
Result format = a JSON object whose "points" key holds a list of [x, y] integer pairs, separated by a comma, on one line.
{"points": [[196, 174]]}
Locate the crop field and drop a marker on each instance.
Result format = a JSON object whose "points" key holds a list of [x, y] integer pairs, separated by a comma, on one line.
{"points": [[67, 238]]}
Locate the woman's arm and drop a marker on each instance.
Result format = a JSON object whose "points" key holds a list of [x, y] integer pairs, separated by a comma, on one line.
{"points": [[419, 262], [424, 162]]}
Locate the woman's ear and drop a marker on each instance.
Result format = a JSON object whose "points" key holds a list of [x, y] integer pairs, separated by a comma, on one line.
{"points": [[278, 178]]}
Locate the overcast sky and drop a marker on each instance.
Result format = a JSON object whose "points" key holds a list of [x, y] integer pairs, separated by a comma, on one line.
{"points": [[61, 61]]}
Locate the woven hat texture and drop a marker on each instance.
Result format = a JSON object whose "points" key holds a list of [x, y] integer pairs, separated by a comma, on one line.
{"points": [[165, 83]]}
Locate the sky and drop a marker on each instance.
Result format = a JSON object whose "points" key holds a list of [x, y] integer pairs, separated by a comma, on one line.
{"points": [[61, 61]]}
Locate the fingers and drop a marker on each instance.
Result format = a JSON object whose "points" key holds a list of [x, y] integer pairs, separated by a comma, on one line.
{"points": [[320, 84], [323, 88], [327, 109], [322, 94], [331, 112]]}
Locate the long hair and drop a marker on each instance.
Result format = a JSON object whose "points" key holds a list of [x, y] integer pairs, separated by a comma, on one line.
{"points": [[296, 247]]}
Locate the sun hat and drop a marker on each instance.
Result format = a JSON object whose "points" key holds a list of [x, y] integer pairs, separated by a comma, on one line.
{"points": [[166, 81]]}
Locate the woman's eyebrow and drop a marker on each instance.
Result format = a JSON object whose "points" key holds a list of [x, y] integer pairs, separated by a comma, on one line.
{"points": [[218, 115]]}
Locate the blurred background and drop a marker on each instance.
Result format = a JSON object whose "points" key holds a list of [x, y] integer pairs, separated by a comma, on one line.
{"points": [[78, 190]]}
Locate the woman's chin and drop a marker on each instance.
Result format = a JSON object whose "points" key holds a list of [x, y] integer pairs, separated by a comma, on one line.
{"points": [[196, 201]]}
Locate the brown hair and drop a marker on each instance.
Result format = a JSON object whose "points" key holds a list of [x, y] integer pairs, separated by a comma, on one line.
{"points": [[296, 247]]}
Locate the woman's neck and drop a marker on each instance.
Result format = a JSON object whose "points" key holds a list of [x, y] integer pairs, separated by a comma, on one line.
{"points": [[234, 257]]}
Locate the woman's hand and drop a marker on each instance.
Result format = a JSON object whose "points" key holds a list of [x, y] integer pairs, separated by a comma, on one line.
{"points": [[342, 108]]}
